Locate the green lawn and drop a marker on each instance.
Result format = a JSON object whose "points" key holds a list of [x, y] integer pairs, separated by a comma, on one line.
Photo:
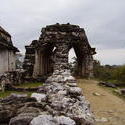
{"points": [[30, 85], [25, 85]]}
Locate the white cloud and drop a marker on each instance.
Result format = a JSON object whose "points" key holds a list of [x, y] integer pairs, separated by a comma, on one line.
{"points": [[103, 20], [111, 56]]}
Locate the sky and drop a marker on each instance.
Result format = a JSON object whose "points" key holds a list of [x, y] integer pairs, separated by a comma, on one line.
{"points": [[103, 21]]}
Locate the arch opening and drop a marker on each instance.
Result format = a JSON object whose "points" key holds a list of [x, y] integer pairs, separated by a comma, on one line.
{"points": [[73, 62]]}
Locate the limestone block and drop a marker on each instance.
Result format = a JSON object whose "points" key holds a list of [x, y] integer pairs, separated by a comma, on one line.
{"points": [[39, 97]]}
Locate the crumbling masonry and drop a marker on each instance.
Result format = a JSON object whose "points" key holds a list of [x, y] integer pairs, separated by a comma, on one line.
{"points": [[7, 52], [59, 101], [50, 52]]}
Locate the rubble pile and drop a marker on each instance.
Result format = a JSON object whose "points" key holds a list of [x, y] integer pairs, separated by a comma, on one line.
{"points": [[54, 103], [11, 78]]}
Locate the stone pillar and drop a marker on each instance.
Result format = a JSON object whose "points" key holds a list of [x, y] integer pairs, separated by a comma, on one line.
{"points": [[41, 64], [90, 67], [50, 65], [87, 66], [79, 67], [83, 68], [46, 64], [37, 64]]}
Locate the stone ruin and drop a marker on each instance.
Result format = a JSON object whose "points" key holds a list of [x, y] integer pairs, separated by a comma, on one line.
{"points": [[59, 101], [50, 52], [7, 52]]}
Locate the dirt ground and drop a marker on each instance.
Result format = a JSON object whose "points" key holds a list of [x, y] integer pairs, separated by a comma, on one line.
{"points": [[108, 109]]}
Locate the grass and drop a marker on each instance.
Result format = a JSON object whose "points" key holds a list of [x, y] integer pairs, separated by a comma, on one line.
{"points": [[114, 91], [24, 85], [29, 85], [113, 81]]}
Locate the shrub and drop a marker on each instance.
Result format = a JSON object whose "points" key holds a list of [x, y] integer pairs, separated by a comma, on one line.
{"points": [[107, 72]]}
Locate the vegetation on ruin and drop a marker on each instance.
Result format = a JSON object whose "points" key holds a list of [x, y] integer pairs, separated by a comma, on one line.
{"points": [[24, 85]]}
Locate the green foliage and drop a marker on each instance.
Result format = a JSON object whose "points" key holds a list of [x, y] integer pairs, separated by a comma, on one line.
{"points": [[109, 73], [119, 73]]}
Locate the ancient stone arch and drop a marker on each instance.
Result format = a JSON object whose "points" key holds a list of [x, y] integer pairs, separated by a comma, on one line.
{"points": [[50, 52]]}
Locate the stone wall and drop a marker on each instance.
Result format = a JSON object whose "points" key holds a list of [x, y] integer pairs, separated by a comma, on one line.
{"points": [[57, 102], [7, 52], [3, 61], [29, 61], [12, 78], [7, 60]]}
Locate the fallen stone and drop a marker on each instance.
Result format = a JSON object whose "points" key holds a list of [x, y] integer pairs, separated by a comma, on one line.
{"points": [[120, 84], [50, 120], [96, 94], [18, 95], [43, 120], [39, 97], [22, 119], [101, 119], [71, 84], [122, 91], [62, 120], [107, 84]]}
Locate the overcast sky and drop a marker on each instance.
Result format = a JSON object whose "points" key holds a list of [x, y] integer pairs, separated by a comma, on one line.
{"points": [[103, 20]]}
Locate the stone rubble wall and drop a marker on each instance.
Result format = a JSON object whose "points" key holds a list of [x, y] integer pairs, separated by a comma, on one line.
{"points": [[29, 60], [12, 78], [58, 102], [66, 98]]}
